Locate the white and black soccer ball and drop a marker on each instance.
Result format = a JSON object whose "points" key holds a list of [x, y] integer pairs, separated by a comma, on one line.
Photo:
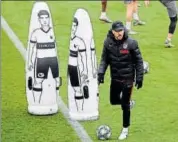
{"points": [[146, 67], [103, 132]]}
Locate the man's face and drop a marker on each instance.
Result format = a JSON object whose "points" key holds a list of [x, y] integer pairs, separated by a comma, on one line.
{"points": [[74, 28], [118, 35], [44, 20]]}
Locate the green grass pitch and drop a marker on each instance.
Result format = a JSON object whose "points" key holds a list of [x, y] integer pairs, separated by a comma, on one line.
{"points": [[155, 116]]}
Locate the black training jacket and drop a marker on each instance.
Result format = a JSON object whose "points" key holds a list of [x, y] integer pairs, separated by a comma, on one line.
{"points": [[124, 58]]}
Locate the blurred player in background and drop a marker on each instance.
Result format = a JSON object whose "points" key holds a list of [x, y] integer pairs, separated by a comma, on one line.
{"points": [[103, 16], [132, 12], [172, 12]]}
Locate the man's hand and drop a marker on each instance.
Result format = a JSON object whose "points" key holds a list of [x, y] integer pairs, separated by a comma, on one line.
{"points": [[100, 78], [147, 2], [138, 84]]}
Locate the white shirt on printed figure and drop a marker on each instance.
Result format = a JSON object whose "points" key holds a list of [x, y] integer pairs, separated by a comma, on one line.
{"points": [[77, 45], [41, 36]]}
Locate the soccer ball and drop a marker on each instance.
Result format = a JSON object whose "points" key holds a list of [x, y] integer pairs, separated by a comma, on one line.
{"points": [[146, 67], [103, 132]]}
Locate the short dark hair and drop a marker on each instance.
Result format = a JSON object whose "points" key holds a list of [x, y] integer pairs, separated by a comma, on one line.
{"points": [[43, 12], [75, 20]]}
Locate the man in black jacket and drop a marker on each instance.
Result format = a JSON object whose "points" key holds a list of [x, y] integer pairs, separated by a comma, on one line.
{"points": [[126, 65]]}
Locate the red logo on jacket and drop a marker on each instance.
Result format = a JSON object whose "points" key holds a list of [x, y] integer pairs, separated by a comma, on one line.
{"points": [[124, 51]]}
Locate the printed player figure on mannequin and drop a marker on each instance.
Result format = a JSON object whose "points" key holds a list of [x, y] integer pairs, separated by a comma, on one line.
{"points": [[42, 44], [77, 68]]}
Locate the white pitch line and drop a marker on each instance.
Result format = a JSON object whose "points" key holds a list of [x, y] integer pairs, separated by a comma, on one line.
{"points": [[84, 137]]}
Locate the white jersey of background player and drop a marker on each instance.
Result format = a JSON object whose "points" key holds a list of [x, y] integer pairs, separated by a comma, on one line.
{"points": [[42, 54]]}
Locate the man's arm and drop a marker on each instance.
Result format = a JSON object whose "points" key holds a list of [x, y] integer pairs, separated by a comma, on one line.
{"points": [[82, 52], [93, 59], [138, 61], [104, 60], [32, 54]]}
